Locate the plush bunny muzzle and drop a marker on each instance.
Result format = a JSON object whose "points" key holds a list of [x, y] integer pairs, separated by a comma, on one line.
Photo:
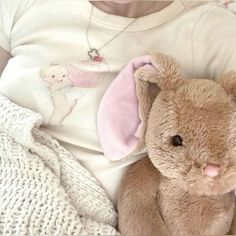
{"points": [[211, 170]]}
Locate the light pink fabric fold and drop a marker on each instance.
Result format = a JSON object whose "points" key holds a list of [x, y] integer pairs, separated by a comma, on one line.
{"points": [[118, 120]]}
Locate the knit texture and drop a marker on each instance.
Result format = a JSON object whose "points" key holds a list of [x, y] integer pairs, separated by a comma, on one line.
{"points": [[43, 189]]}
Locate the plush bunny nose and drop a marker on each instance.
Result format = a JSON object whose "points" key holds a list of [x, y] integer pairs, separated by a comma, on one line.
{"points": [[211, 170]]}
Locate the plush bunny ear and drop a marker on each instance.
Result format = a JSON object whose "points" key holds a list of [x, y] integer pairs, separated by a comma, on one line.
{"points": [[123, 111], [228, 82], [164, 74], [168, 74]]}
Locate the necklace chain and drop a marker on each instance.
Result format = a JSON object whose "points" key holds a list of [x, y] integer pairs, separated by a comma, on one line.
{"points": [[96, 50]]}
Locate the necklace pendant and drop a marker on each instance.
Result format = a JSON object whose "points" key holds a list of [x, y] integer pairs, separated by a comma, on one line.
{"points": [[94, 55]]}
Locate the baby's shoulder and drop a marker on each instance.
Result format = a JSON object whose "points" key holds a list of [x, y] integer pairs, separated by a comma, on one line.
{"points": [[15, 8], [211, 19]]}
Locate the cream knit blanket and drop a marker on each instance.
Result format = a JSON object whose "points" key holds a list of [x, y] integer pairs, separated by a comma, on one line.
{"points": [[43, 189]]}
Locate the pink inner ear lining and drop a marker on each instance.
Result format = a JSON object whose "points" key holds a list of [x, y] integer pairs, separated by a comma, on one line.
{"points": [[118, 120]]}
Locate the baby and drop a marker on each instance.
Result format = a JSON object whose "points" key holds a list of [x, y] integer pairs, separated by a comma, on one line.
{"points": [[48, 42]]}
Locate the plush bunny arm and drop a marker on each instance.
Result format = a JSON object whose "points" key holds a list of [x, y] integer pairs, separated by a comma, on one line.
{"points": [[233, 225], [137, 204]]}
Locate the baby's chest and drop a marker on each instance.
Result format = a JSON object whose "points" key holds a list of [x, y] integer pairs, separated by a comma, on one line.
{"points": [[185, 214]]}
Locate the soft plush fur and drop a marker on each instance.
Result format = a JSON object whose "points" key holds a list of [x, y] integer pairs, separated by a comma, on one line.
{"points": [[188, 189]]}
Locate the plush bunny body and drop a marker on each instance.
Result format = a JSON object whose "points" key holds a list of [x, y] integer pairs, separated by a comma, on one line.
{"points": [[186, 186], [188, 214], [157, 206], [154, 205]]}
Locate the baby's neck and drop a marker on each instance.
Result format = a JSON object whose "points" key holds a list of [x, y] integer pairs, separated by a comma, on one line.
{"points": [[133, 9]]}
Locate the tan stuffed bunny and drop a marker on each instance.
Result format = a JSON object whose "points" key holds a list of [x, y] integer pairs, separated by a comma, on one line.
{"points": [[186, 186]]}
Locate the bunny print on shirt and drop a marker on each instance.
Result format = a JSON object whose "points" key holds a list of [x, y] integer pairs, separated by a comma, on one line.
{"points": [[61, 78]]}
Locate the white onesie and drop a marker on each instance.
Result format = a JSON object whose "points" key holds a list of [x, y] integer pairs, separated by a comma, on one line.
{"points": [[50, 71]]}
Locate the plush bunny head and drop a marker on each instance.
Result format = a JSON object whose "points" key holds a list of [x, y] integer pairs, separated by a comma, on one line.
{"points": [[189, 126]]}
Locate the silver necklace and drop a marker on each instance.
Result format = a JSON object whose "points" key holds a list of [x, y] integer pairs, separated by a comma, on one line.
{"points": [[93, 52]]}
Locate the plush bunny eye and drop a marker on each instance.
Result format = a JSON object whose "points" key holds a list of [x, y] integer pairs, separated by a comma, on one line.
{"points": [[176, 140]]}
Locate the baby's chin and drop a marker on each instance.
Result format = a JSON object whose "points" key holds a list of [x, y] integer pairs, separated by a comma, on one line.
{"points": [[122, 1]]}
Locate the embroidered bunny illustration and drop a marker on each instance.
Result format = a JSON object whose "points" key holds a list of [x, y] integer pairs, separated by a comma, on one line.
{"points": [[58, 79], [65, 83]]}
